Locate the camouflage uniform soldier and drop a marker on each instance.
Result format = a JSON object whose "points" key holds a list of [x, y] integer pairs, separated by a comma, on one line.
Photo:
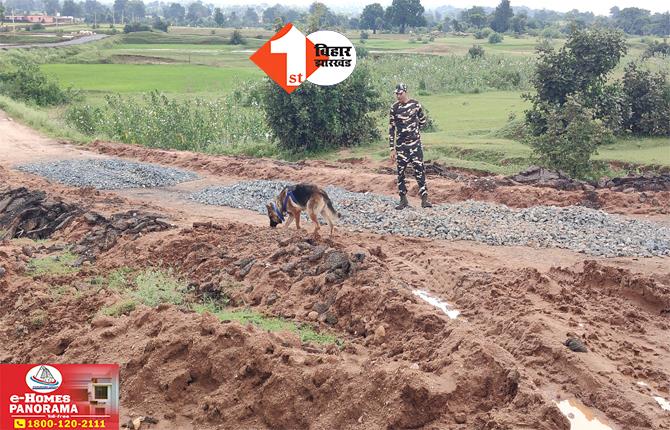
{"points": [[406, 117]]}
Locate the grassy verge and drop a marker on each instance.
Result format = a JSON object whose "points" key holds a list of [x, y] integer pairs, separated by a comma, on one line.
{"points": [[53, 265], [48, 122]]}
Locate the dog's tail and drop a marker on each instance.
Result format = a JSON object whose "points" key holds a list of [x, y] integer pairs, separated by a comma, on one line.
{"points": [[329, 203]]}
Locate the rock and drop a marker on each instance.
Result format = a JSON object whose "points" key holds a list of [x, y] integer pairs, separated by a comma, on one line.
{"points": [[28, 251], [2, 271], [313, 316], [575, 344], [380, 335], [460, 418], [271, 298]]}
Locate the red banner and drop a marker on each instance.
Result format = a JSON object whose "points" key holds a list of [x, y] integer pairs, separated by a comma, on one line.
{"points": [[59, 396]]}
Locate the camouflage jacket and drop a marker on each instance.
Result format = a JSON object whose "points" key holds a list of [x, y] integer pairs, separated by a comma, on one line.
{"points": [[405, 119]]}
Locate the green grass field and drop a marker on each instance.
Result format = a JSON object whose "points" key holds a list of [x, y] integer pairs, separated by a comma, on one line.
{"points": [[136, 78]]}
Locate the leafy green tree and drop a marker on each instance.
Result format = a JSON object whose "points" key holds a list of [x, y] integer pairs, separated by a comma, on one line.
{"points": [[405, 13], [518, 23], [2, 13], [251, 18], [646, 102], [197, 11], [633, 20], [135, 10], [175, 12], [236, 38], [119, 9], [159, 24], [371, 13], [502, 16], [475, 16], [219, 19], [495, 38]]}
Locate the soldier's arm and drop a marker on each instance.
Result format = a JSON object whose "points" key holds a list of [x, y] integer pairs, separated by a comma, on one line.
{"points": [[422, 117], [391, 129]]}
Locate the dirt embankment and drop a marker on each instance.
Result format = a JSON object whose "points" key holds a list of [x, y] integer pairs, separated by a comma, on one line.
{"points": [[402, 364]]}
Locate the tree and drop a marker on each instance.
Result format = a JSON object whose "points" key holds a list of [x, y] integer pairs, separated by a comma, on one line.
{"points": [[197, 11], [159, 24], [571, 85], [502, 16], [660, 24], [175, 12], [633, 20], [251, 18], [370, 15], [135, 10], [2, 13], [119, 9], [70, 8], [404, 13], [51, 7], [218, 17], [646, 102], [518, 23], [475, 16], [456, 25]]}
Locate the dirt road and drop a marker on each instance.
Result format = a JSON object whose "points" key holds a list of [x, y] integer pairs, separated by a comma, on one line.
{"points": [[403, 364]]}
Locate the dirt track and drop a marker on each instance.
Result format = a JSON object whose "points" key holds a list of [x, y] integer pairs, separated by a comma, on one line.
{"points": [[501, 364]]}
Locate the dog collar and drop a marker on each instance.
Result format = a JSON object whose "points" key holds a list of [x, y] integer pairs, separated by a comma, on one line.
{"points": [[278, 212]]}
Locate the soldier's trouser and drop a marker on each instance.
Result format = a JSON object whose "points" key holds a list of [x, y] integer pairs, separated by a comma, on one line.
{"points": [[411, 154]]}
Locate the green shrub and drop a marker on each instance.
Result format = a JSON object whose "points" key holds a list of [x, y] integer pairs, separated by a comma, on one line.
{"points": [[476, 51], [571, 138], [365, 35], [160, 25], [26, 82], [236, 38], [646, 104], [495, 38], [317, 117], [37, 26], [135, 27]]}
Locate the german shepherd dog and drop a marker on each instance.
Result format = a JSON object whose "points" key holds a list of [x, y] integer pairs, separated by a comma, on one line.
{"points": [[294, 199]]}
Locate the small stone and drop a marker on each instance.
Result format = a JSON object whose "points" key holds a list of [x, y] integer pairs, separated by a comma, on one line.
{"points": [[460, 418], [272, 298], [380, 334], [313, 315], [2, 271], [575, 345], [28, 251]]}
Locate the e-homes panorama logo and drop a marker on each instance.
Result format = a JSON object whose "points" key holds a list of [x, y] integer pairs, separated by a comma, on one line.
{"points": [[43, 379], [290, 58]]}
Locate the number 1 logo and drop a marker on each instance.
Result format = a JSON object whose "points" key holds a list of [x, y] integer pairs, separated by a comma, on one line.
{"points": [[288, 58]]}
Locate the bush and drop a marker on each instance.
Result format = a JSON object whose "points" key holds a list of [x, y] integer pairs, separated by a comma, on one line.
{"points": [[236, 38], [571, 138], [656, 47], [135, 27], [317, 117], [646, 102], [495, 38], [37, 26], [362, 52], [365, 35], [157, 121], [160, 25], [476, 51], [483, 33], [28, 83]]}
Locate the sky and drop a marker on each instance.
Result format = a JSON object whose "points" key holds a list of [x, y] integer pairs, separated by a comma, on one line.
{"points": [[599, 7]]}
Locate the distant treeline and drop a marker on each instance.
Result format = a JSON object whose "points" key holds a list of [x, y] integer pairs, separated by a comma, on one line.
{"points": [[398, 17]]}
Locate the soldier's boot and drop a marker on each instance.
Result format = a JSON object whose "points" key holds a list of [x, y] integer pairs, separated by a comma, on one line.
{"points": [[403, 202], [424, 202]]}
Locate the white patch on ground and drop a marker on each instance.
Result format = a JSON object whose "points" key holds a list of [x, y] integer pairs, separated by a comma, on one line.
{"points": [[443, 306], [580, 417], [665, 405]]}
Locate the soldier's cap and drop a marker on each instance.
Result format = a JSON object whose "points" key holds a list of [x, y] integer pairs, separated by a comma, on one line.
{"points": [[400, 88]]}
